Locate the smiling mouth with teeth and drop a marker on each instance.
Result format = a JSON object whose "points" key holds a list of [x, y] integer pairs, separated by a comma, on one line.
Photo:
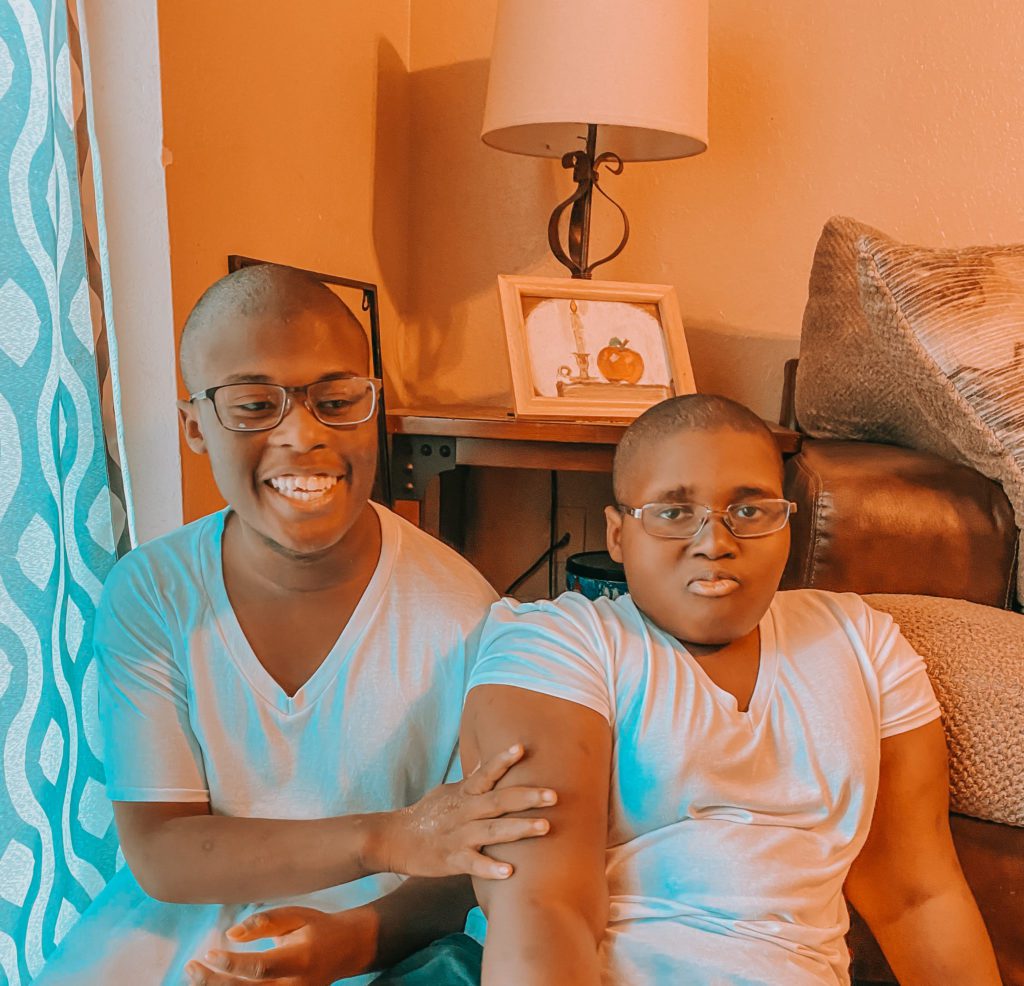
{"points": [[305, 489]]}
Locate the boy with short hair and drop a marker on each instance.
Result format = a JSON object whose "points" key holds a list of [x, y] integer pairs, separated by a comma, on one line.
{"points": [[280, 679], [729, 758]]}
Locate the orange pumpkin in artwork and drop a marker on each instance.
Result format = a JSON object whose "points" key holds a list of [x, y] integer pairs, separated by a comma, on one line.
{"points": [[619, 364]]}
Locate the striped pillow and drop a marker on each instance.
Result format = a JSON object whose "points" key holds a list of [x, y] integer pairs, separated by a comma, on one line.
{"points": [[920, 347]]}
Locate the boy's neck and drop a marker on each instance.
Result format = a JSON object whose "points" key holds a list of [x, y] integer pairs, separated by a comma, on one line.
{"points": [[740, 644], [733, 666], [250, 557]]}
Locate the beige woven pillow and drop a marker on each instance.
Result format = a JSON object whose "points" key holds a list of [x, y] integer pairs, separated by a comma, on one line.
{"points": [[975, 659], [920, 347]]}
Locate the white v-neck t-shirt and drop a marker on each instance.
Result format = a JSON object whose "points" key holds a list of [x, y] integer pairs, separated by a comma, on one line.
{"points": [[190, 714], [730, 833]]}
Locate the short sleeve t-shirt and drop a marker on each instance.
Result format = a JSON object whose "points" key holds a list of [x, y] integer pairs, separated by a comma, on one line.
{"points": [[190, 714], [730, 832]]}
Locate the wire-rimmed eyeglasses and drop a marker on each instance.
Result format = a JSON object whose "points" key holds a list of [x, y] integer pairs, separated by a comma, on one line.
{"points": [[339, 403], [749, 519]]}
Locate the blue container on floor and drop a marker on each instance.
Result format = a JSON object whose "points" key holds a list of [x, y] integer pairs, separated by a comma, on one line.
{"points": [[595, 574]]}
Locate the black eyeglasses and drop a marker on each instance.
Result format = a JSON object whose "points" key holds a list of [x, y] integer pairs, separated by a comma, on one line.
{"points": [[750, 519], [261, 406]]}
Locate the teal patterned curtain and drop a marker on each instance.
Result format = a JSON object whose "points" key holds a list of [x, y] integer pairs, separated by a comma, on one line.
{"points": [[62, 499]]}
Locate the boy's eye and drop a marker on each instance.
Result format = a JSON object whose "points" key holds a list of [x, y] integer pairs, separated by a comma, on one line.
{"points": [[747, 511], [247, 401], [674, 511], [335, 404]]}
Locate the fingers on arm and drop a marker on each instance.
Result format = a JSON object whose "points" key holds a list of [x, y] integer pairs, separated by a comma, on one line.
{"points": [[497, 832], [512, 799], [487, 775], [481, 867]]}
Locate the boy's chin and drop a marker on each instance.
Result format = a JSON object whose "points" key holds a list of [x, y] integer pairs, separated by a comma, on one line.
{"points": [[301, 550], [714, 635], [311, 540], [300, 542], [709, 641]]}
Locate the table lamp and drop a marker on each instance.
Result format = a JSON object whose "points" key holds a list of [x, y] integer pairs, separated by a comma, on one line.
{"points": [[597, 82]]}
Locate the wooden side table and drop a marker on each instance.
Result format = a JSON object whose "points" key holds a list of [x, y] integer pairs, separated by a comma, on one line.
{"points": [[428, 443]]}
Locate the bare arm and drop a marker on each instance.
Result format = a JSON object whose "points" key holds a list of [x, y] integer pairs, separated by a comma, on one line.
{"points": [[907, 882], [545, 923], [183, 853]]}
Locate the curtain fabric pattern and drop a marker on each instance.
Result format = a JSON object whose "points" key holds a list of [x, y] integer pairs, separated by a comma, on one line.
{"points": [[62, 506]]}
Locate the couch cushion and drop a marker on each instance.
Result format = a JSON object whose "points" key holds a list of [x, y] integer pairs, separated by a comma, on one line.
{"points": [[876, 518], [919, 347], [975, 659]]}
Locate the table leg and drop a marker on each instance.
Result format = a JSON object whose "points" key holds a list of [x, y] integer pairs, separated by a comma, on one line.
{"points": [[415, 461]]}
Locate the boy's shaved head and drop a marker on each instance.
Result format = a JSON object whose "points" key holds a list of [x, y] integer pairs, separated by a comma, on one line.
{"points": [[691, 412], [266, 290]]}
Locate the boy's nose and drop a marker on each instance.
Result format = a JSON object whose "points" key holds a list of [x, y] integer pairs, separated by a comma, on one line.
{"points": [[299, 428], [715, 540]]}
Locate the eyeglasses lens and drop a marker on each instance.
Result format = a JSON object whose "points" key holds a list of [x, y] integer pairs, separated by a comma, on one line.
{"points": [[249, 406], [684, 520], [342, 402], [673, 520], [255, 406]]}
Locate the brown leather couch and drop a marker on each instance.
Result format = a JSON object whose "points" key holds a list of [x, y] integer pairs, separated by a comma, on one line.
{"points": [[877, 518]]}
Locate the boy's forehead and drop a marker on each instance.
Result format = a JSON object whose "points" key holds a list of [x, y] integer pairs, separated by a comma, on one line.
{"points": [[255, 343], [722, 459]]}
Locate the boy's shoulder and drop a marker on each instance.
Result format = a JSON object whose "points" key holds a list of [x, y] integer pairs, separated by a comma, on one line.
{"points": [[570, 612], [429, 565], [809, 612], [813, 616], [176, 558], [820, 603]]}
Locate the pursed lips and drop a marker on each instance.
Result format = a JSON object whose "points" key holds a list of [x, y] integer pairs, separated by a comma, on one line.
{"points": [[713, 583]]}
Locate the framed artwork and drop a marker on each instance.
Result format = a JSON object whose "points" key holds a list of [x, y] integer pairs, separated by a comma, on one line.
{"points": [[592, 349]]}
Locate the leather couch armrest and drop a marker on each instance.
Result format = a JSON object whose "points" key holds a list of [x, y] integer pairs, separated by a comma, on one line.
{"points": [[879, 518]]}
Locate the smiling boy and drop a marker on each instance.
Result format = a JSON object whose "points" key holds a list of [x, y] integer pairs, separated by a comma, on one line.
{"points": [[729, 758], [280, 679]]}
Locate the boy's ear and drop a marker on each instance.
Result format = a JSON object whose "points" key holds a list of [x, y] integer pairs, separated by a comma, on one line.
{"points": [[613, 532], [188, 414]]}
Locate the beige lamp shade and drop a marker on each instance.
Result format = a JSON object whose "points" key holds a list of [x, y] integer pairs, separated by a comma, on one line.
{"points": [[637, 68]]}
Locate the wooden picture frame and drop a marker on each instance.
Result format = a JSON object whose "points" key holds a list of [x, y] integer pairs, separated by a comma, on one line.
{"points": [[604, 350]]}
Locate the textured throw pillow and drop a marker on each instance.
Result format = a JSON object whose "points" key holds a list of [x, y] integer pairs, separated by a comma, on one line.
{"points": [[975, 659], [919, 347]]}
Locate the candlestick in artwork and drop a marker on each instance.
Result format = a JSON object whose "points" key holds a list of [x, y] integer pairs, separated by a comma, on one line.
{"points": [[582, 357]]}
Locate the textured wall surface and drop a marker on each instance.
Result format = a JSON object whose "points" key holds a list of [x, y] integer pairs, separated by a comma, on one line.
{"points": [[286, 134], [903, 114], [348, 139]]}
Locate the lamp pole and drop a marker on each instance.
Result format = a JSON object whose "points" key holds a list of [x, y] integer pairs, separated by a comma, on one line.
{"points": [[584, 165]]}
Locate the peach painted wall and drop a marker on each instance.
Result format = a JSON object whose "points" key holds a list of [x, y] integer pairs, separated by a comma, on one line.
{"points": [[906, 114], [285, 126], [345, 136]]}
